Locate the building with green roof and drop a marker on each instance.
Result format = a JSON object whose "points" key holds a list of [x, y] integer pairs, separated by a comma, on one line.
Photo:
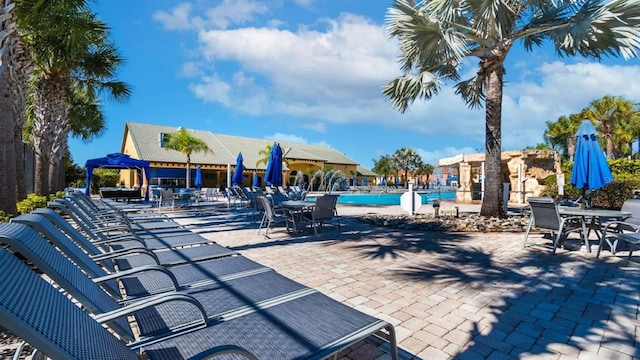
{"points": [[168, 167]]}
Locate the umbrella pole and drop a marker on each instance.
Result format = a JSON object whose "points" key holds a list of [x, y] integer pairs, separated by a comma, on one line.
{"points": [[584, 200]]}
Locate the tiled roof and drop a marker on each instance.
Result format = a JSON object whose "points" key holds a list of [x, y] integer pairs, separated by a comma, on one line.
{"points": [[225, 148]]}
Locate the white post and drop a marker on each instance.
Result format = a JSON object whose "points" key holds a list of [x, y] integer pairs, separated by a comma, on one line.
{"points": [[482, 183], [413, 203], [228, 175], [520, 199]]}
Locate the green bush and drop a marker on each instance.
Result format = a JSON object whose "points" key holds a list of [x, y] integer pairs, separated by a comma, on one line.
{"points": [[104, 178], [626, 175], [4, 217], [31, 203]]}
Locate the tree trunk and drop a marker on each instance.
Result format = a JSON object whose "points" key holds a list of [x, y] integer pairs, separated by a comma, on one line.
{"points": [[491, 203], [7, 150], [50, 115]]}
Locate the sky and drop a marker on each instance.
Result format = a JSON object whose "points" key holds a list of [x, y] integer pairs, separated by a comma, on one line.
{"points": [[312, 71]]}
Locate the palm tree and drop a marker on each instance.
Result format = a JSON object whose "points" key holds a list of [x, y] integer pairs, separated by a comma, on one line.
{"points": [[71, 51], [611, 114], [436, 36], [561, 135], [424, 169], [406, 159], [383, 166], [187, 144]]}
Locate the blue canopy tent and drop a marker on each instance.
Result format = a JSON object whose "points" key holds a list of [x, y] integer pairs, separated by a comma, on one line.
{"points": [[273, 175], [238, 178], [119, 161], [590, 169]]}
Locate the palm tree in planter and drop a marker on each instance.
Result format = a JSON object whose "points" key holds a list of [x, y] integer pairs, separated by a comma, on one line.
{"points": [[436, 36], [187, 144]]}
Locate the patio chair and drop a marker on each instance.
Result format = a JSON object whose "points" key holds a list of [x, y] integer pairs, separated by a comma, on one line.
{"points": [[302, 324], [271, 216], [545, 216], [625, 230], [323, 212], [166, 199]]}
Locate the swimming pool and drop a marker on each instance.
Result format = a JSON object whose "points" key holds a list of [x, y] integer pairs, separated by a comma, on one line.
{"points": [[388, 198]]}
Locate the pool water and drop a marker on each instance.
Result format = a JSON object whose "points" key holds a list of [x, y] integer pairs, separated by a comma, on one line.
{"points": [[388, 198]]}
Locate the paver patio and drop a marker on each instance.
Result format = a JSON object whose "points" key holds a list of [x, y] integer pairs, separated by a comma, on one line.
{"points": [[455, 295]]}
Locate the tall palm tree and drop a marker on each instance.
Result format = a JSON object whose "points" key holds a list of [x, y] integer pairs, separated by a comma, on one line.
{"points": [[406, 159], [71, 50], [187, 144], [436, 36]]}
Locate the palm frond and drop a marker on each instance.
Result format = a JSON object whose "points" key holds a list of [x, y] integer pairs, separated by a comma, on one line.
{"points": [[404, 90], [472, 91]]}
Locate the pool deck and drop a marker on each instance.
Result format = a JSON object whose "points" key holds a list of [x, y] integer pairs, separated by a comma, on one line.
{"points": [[450, 295], [454, 295]]}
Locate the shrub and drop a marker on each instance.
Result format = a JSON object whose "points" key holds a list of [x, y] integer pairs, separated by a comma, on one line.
{"points": [[31, 203], [4, 217], [614, 194], [104, 178]]}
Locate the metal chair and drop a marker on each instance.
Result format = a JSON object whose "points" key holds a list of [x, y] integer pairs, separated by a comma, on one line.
{"points": [[324, 211], [271, 216], [625, 230], [545, 216]]}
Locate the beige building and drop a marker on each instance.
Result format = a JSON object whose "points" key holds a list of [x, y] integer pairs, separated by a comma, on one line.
{"points": [[168, 167], [523, 170]]}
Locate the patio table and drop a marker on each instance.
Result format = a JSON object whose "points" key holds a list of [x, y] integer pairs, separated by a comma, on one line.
{"points": [[593, 216], [297, 208]]}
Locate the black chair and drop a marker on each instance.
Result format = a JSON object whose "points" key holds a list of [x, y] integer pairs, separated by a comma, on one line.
{"points": [[546, 216]]}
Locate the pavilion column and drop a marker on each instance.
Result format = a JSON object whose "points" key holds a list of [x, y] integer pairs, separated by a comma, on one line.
{"points": [[463, 194]]}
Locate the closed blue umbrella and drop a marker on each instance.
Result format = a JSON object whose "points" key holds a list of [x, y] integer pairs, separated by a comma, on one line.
{"points": [[365, 181], [590, 169], [198, 180], [237, 178], [383, 181], [273, 174], [355, 180], [256, 180]]}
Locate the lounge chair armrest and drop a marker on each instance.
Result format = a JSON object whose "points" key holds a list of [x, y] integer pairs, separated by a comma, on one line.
{"points": [[151, 302], [126, 252], [107, 229], [137, 270], [121, 238]]}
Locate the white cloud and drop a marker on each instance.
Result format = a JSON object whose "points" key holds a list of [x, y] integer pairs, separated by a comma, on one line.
{"points": [[185, 16], [333, 74], [286, 137]]}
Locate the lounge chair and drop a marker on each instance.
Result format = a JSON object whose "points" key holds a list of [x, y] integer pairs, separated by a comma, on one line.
{"points": [[145, 280], [545, 216], [56, 327], [127, 255], [305, 325]]}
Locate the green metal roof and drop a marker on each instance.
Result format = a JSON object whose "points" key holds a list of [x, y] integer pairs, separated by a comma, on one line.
{"points": [[225, 148]]}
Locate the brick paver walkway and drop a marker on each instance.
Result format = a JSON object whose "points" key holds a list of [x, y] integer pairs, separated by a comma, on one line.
{"points": [[456, 295]]}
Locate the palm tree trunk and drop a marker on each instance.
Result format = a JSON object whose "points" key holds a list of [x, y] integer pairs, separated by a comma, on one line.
{"points": [[493, 142], [7, 150], [20, 72]]}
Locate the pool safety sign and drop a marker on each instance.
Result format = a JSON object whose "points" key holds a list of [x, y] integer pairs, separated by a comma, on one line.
{"points": [[410, 201]]}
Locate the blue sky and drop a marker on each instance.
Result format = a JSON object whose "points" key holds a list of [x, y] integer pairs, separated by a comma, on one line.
{"points": [[312, 71]]}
